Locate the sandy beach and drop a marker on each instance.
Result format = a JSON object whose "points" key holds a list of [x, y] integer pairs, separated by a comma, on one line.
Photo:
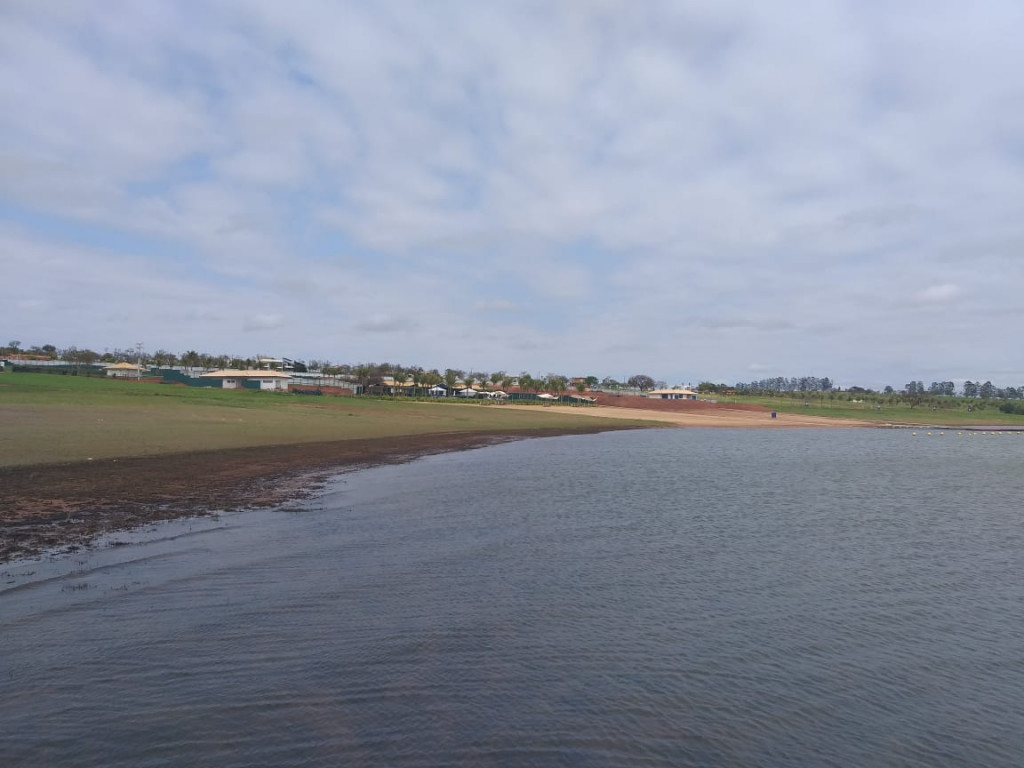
{"points": [[679, 415]]}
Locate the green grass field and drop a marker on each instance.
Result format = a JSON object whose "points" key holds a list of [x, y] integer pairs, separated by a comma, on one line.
{"points": [[53, 419], [889, 414]]}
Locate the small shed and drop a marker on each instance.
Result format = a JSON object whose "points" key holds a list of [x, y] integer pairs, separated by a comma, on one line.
{"points": [[123, 370]]}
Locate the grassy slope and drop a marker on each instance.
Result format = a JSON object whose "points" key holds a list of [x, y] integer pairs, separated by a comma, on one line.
{"points": [[898, 414], [50, 419]]}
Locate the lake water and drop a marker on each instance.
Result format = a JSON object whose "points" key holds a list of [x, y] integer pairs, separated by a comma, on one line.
{"points": [[648, 598]]}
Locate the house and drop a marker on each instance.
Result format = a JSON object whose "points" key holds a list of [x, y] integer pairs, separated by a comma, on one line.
{"points": [[263, 380], [394, 387], [123, 370], [672, 394]]}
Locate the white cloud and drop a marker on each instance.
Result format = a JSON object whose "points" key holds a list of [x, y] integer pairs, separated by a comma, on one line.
{"points": [[940, 294], [696, 180], [263, 321], [496, 305], [382, 323]]}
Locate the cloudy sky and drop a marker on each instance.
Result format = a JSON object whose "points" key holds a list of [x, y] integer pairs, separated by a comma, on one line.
{"points": [[692, 190]]}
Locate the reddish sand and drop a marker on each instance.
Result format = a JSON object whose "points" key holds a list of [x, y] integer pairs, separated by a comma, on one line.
{"points": [[698, 413]]}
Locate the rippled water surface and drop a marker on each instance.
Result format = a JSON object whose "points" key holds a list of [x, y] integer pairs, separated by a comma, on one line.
{"points": [[671, 597]]}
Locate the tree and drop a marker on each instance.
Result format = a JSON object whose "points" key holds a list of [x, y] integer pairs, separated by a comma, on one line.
{"points": [[163, 358], [400, 377], [987, 390], [581, 385], [641, 381], [190, 359], [362, 372], [451, 378]]}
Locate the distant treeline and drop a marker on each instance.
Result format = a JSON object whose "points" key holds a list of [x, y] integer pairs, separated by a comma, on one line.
{"points": [[912, 389], [784, 384]]}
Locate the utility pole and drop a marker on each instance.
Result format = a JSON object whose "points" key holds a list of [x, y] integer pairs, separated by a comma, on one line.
{"points": [[138, 360]]}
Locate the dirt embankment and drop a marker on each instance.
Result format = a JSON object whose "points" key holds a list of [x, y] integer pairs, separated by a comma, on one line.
{"points": [[673, 406]]}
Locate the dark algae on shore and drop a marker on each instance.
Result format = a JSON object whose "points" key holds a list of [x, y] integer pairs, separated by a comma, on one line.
{"points": [[66, 505]]}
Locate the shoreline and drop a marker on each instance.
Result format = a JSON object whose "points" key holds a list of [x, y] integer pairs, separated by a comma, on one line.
{"points": [[62, 508]]}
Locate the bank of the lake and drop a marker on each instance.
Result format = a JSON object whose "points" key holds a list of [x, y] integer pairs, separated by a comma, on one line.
{"points": [[65, 506]]}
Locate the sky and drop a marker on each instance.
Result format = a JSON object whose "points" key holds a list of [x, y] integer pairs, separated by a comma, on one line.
{"points": [[724, 191]]}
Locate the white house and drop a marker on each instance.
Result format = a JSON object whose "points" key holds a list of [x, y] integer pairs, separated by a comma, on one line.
{"points": [[672, 394], [267, 380]]}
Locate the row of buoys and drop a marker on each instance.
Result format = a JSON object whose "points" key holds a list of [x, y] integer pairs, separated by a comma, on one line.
{"points": [[971, 433]]}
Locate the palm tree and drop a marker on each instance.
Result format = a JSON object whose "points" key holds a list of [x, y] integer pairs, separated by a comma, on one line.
{"points": [[190, 359]]}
